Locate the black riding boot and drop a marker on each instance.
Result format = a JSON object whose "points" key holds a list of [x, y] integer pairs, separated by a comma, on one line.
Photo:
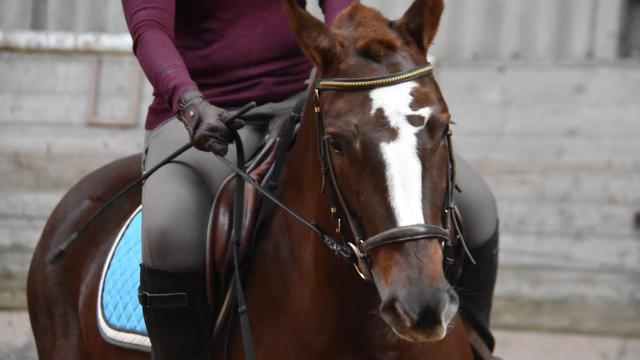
{"points": [[476, 286], [176, 313]]}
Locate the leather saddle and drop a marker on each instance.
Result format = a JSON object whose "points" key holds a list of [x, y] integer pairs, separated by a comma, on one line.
{"points": [[264, 167]]}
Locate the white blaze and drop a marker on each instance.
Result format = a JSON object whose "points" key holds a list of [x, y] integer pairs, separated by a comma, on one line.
{"points": [[402, 165]]}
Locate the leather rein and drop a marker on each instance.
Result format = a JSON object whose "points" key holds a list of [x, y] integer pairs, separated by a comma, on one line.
{"points": [[449, 235]]}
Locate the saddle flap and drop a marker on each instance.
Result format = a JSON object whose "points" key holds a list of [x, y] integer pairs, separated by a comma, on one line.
{"points": [[264, 168], [219, 242]]}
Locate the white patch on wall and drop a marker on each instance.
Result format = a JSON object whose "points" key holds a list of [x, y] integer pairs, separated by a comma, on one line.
{"points": [[403, 168]]}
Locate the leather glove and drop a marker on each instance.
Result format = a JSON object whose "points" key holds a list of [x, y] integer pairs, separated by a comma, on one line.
{"points": [[204, 122]]}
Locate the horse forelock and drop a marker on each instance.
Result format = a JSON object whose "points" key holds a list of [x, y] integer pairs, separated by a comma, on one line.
{"points": [[370, 33]]}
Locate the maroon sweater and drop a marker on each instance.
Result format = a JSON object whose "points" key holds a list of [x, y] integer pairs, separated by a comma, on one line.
{"points": [[234, 51]]}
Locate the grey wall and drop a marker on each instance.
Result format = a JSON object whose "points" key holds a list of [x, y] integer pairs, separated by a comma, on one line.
{"points": [[472, 30], [62, 15], [524, 30], [559, 146]]}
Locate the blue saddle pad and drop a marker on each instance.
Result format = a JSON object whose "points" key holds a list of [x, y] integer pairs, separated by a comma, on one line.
{"points": [[119, 313]]}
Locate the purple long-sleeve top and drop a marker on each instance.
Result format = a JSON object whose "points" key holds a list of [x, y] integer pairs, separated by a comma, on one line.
{"points": [[233, 51]]}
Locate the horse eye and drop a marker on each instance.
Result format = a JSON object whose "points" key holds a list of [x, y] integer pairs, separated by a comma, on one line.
{"points": [[335, 145]]}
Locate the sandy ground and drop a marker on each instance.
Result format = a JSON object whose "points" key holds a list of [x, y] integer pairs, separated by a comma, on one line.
{"points": [[16, 343]]}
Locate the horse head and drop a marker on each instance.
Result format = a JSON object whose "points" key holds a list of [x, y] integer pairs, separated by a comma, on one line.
{"points": [[389, 152]]}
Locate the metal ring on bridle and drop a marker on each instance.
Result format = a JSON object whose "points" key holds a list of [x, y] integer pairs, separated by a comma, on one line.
{"points": [[361, 263]]}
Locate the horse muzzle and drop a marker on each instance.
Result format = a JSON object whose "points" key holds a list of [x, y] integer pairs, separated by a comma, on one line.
{"points": [[423, 311], [421, 316]]}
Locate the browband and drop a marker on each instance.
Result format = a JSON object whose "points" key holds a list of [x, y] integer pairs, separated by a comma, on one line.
{"points": [[374, 81]]}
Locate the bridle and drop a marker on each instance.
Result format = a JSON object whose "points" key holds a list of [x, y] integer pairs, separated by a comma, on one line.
{"points": [[354, 244]]}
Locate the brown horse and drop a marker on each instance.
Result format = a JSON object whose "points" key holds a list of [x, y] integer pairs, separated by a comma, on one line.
{"points": [[305, 303]]}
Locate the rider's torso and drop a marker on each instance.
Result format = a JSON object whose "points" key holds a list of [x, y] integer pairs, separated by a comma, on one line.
{"points": [[238, 51]]}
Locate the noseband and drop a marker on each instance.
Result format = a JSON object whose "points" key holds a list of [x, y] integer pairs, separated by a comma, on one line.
{"points": [[358, 246]]}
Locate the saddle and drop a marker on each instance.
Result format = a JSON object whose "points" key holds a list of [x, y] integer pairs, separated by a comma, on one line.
{"points": [[264, 167]]}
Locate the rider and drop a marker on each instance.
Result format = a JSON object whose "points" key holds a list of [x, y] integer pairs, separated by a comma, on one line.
{"points": [[227, 53]]}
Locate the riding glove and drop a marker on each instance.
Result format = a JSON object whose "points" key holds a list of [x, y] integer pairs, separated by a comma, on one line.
{"points": [[204, 122]]}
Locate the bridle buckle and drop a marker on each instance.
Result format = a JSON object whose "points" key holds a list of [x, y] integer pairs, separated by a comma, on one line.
{"points": [[361, 263]]}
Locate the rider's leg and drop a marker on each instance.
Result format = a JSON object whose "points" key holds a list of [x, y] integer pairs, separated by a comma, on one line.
{"points": [[178, 197], [176, 204], [480, 219], [176, 313]]}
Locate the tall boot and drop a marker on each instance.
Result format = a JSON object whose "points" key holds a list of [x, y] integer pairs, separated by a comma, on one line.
{"points": [[175, 309], [476, 285]]}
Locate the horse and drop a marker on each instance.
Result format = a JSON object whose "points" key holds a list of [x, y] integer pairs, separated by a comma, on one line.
{"points": [[354, 146]]}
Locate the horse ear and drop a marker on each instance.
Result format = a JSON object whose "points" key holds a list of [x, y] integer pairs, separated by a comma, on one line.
{"points": [[421, 21], [316, 41]]}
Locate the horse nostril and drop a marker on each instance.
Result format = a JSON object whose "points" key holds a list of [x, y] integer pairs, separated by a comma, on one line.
{"points": [[395, 312], [425, 313], [429, 319]]}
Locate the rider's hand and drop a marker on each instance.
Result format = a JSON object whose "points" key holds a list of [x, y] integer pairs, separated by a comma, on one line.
{"points": [[204, 123]]}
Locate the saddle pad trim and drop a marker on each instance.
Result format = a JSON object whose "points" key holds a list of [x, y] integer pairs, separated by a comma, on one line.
{"points": [[113, 336]]}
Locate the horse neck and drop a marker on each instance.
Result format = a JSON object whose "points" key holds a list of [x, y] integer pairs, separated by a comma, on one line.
{"points": [[306, 260], [292, 269], [300, 188]]}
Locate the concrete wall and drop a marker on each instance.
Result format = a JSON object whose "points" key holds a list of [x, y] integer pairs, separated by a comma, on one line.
{"points": [[559, 146], [62, 15], [62, 116], [551, 122]]}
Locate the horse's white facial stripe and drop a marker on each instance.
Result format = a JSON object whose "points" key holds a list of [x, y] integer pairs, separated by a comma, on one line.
{"points": [[403, 168]]}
